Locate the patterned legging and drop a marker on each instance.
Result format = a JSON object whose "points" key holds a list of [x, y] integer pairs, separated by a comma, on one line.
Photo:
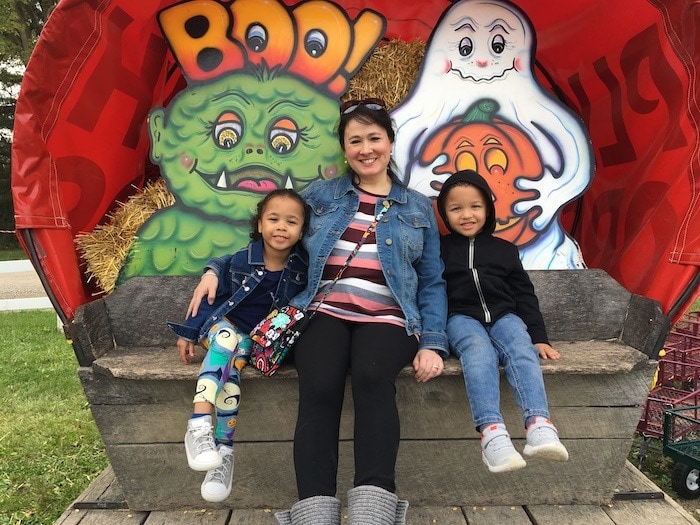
{"points": [[219, 383]]}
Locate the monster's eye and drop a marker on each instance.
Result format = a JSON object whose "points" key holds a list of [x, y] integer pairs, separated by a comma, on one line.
{"points": [[466, 46], [315, 43], [284, 136], [498, 44], [228, 130], [256, 37]]}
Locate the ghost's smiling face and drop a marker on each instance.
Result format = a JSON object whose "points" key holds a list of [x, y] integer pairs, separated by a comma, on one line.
{"points": [[482, 42]]}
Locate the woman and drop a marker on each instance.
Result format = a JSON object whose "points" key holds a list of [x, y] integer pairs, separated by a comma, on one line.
{"points": [[387, 310]]}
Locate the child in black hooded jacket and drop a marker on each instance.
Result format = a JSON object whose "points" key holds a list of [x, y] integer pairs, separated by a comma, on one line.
{"points": [[494, 318]]}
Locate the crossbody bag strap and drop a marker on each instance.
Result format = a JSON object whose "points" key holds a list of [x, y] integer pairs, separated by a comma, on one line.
{"points": [[368, 232]]}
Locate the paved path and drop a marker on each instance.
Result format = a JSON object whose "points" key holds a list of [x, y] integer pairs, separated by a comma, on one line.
{"points": [[21, 288]]}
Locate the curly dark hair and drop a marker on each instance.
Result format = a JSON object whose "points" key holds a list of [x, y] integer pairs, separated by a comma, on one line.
{"points": [[260, 209]]}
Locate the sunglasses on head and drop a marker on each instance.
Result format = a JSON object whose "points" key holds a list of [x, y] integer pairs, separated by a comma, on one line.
{"points": [[374, 104]]}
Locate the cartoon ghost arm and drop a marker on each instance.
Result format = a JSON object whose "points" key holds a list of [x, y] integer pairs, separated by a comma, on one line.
{"points": [[566, 159]]}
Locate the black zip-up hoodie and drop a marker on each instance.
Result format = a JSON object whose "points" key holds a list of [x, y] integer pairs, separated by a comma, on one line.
{"points": [[484, 275]]}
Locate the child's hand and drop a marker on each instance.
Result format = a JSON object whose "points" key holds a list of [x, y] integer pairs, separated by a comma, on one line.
{"points": [[546, 351], [206, 288], [186, 350], [427, 364]]}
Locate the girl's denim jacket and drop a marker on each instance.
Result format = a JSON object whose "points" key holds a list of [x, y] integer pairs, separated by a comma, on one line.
{"points": [[407, 244], [239, 274]]}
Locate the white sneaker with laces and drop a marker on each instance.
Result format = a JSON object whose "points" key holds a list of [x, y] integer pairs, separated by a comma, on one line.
{"points": [[498, 453], [543, 441], [217, 483], [199, 445]]}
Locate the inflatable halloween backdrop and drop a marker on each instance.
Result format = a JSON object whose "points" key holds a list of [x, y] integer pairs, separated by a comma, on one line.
{"points": [[601, 118]]}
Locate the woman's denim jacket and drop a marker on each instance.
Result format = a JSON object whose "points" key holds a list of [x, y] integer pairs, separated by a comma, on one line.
{"points": [[408, 246], [238, 275]]}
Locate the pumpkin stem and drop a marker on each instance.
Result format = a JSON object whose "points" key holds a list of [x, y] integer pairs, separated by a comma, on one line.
{"points": [[481, 111]]}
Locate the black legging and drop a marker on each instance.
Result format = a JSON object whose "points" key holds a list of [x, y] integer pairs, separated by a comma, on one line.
{"points": [[376, 353]]}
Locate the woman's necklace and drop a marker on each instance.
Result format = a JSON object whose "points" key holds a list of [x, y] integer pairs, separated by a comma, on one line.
{"points": [[381, 188]]}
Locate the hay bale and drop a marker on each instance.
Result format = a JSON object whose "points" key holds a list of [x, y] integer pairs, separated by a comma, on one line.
{"points": [[105, 248], [388, 73]]}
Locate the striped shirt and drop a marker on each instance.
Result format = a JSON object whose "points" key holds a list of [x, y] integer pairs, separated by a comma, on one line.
{"points": [[361, 294]]}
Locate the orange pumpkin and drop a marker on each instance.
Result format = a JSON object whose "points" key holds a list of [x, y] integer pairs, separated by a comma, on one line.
{"points": [[497, 150]]}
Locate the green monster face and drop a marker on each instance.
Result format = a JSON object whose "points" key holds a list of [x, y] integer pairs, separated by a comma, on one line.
{"points": [[222, 145]]}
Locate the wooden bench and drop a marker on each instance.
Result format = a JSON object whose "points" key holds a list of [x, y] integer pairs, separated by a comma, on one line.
{"points": [[140, 395]]}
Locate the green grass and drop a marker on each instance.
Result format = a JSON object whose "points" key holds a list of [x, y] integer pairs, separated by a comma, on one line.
{"points": [[12, 255], [50, 449]]}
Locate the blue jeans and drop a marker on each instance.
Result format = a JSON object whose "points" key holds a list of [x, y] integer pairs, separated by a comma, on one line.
{"points": [[481, 349]]}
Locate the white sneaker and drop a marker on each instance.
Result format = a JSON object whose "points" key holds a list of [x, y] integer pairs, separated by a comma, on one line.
{"points": [[498, 453], [199, 445], [217, 483], [543, 441]]}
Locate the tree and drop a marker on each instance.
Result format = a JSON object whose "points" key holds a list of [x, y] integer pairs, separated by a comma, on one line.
{"points": [[21, 22]]}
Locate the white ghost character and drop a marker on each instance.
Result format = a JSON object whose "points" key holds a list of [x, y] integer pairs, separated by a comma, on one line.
{"points": [[484, 49]]}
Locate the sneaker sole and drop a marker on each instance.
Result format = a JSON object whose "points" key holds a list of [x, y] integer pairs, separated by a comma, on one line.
{"points": [[202, 466], [516, 463], [214, 498], [549, 452]]}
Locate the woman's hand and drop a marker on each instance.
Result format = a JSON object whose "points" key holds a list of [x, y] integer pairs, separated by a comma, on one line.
{"points": [[186, 350], [206, 288], [427, 364]]}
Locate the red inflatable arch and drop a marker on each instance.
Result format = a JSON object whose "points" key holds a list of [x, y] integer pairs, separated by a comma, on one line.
{"points": [[81, 144]]}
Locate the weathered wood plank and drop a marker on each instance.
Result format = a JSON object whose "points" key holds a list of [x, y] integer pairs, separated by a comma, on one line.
{"points": [[580, 304], [569, 514], [162, 363], [104, 493], [448, 471], [458, 477], [91, 332], [112, 517], [633, 481], [70, 517], [122, 424], [576, 304], [432, 515], [599, 390], [98, 487], [648, 512], [254, 517], [563, 389], [646, 326], [190, 517], [489, 515], [137, 299]]}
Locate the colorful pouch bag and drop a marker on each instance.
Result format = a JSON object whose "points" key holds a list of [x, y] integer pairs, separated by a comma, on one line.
{"points": [[274, 336]]}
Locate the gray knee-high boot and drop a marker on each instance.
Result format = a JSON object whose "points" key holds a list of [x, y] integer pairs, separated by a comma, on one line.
{"points": [[317, 510], [369, 505]]}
